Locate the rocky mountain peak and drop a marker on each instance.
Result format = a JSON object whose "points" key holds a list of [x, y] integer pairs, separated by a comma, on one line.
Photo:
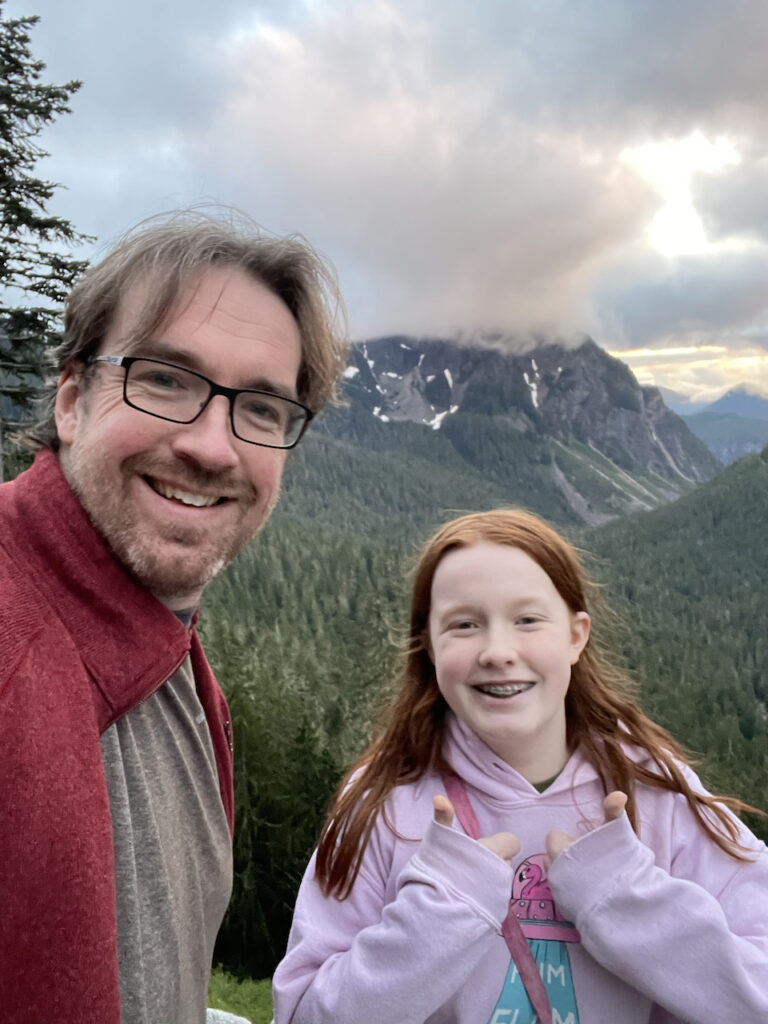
{"points": [[564, 394]]}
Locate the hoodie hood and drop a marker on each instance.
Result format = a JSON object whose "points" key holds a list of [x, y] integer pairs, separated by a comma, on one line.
{"points": [[474, 761]]}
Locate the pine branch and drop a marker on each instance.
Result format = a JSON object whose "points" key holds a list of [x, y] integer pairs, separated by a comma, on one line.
{"points": [[34, 263]]}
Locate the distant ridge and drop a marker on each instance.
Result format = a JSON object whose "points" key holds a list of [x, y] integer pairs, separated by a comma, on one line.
{"points": [[565, 430], [733, 426], [741, 401]]}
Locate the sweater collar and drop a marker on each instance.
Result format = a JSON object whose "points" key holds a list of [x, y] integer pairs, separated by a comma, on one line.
{"points": [[128, 641]]}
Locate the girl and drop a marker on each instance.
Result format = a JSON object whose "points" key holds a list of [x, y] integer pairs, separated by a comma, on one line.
{"points": [[511, 765]]}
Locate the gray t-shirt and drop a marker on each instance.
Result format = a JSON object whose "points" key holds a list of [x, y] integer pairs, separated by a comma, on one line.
{"points": [[173, 853]]}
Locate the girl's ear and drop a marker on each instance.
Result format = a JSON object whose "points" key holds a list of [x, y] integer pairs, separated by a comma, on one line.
{"points": [[580, 627], [66, 404]]}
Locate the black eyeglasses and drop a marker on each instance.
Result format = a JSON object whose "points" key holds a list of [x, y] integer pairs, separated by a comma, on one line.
{"points": [[179, 395]]}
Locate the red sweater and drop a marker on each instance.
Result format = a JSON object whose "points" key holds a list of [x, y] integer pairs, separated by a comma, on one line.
{"points": [[81, 643]]}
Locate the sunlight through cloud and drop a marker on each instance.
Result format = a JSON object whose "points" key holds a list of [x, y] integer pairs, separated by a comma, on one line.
{"points": [[677, 228]]}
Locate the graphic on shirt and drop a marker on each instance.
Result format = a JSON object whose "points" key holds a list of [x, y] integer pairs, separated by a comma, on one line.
{"points": [[548, 935]]}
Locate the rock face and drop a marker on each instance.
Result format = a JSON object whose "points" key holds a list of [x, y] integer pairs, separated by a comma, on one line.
{"points": [[612, 446]]}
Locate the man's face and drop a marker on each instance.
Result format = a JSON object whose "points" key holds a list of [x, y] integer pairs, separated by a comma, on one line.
{"points": [[141, 478]]}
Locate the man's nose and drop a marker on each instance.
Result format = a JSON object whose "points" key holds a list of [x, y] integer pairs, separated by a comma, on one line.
{"points": [[208, 440]]}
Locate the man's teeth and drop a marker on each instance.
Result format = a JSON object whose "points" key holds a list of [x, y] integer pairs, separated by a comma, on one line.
{"points": [[185, 497], [504, 689]]}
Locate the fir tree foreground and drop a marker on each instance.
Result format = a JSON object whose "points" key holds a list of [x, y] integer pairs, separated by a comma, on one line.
{"points": [[36, 273]]}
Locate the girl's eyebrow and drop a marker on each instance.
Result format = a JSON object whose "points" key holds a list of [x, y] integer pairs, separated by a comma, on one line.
{"points": [[516, 602], [448, 611], [515, 607]]}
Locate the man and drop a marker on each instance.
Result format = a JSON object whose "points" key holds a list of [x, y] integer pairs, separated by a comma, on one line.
{"points": [[194, 355]]}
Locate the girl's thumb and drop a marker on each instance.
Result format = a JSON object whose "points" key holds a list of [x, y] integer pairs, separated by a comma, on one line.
{"points": [[503, 844], [443, 810]]}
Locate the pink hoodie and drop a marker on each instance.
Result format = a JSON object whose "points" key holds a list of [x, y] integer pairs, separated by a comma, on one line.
{"points": [[671, 929]]}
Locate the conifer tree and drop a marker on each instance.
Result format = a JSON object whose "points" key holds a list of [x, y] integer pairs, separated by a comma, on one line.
{"points": [[36, 271]]}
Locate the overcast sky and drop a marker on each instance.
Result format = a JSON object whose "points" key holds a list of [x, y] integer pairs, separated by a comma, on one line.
{"points": [[516, 166]]}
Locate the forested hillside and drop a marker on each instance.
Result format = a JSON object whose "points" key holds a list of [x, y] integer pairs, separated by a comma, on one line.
{"points": [[691, 583], [302, 628], [302, 631], [298, 632]]}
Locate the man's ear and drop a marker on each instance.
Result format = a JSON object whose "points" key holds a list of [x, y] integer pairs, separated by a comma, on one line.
{"points": [[580, 627], [68, 395]]}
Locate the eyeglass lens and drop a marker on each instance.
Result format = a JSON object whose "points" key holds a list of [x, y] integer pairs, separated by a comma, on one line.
{"points": [[179, 395]]}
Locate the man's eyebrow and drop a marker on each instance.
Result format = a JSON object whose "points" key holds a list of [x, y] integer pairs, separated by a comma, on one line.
{"points": [[153, 349], [150, 348], [264, 384]]}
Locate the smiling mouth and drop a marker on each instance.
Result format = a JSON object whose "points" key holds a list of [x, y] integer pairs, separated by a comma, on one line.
{"points": [[504, 689], [183, 497]]}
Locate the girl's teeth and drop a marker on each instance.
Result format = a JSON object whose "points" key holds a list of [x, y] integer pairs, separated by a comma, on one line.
{"points": [[504, 689]]}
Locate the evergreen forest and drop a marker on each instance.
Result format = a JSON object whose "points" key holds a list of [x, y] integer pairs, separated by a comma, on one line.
{"points": [[303, 631]]}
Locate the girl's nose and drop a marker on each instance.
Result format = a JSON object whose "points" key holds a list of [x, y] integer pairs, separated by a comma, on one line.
{"points": [[500, 648]]}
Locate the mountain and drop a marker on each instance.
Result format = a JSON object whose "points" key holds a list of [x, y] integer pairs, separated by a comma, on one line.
{"points": [[728, 436], [566, 431], [741, 401], [733, 426], [681, 404]]}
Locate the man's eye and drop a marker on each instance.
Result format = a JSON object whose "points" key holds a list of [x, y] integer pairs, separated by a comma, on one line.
{"points": [[165, 380], [160, 380], [262, 411]]}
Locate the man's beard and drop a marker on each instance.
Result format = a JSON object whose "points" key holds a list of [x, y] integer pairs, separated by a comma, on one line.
{"points": [[171, 560], [166, 579]]}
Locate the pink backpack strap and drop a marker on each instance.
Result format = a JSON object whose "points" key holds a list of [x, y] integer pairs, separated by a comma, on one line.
{"points": [[516, 942]]}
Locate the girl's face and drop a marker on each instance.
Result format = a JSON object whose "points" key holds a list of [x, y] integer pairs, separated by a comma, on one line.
{"points": [[503, 642]]}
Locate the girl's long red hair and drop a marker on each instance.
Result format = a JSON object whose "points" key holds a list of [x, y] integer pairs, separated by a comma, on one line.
{"points": [[601, 716]]}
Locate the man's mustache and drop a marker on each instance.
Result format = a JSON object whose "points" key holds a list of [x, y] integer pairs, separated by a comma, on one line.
{"points": [[189, 475]]}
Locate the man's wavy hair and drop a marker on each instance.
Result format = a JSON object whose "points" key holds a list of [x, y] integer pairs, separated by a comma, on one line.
{"points": [[170, 250], [601, 716]]}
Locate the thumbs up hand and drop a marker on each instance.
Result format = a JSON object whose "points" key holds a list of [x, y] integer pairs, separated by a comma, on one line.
{"points": [[503, 844], [613, 808]]}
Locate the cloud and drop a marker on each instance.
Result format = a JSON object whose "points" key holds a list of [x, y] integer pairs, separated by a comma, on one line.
{"points": [[450, 210], [461, 164], [623, 68], [721, 298], [735, 205], [121, 153]]}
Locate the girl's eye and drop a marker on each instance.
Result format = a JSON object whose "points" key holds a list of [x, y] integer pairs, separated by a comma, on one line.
{"points": [[462, 625], [527, 620]]}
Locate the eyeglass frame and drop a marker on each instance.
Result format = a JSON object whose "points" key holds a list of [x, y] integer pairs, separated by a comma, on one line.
{"points": [[125, 362]]}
